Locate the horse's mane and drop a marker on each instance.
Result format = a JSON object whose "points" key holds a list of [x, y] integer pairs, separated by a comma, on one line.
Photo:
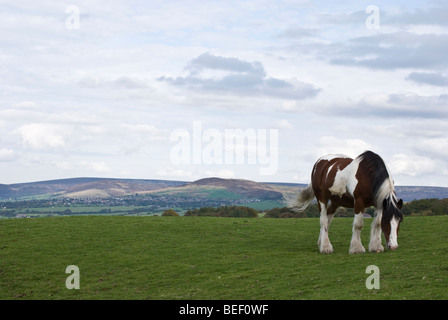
{"points": [[381, 181]]}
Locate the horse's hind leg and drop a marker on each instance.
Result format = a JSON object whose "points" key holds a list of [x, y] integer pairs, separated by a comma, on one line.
{"points": [[324, 242], [355, 244], [330, 212]]}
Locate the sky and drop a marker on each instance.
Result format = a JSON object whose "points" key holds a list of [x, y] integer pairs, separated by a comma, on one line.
{"points": [[259, 90]]}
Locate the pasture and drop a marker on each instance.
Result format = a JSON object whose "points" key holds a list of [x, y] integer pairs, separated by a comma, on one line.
{"points": [[215, 258]]}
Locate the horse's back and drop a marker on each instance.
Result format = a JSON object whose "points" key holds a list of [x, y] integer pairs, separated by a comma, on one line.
{"points": [[325, 171]]}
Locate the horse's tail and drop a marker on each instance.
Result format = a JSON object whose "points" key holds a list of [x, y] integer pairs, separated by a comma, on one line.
{"points": [[303, 200]]}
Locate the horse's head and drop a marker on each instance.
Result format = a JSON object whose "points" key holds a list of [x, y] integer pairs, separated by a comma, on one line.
{"points": [[390, 221]]}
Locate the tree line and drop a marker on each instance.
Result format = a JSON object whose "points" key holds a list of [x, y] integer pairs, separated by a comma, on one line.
{"points": [[426, 207], [226, 211], [422, 207]]}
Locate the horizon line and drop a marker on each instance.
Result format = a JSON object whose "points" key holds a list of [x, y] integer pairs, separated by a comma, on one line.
{"points": [[187, 181]]}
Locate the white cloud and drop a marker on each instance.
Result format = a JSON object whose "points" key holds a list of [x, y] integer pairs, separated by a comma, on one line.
{"points": [[283, 124], [121, 82], [82, 166], [334, 145], [25, 104], [96, 166], [434, 147], [411, 165], [146, 131], [170, 172], [64, 165], [42, 135], [7, 154], [298, 33], [223, 173]]}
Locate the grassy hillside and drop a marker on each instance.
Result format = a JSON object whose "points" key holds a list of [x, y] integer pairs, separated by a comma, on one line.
{"points": [[215, 258], [209, 192]]}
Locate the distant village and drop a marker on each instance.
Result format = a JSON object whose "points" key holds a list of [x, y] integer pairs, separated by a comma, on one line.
{"points": [[129, 205]]}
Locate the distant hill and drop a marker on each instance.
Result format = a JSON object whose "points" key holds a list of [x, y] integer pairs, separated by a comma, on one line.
{"points": [[409, 193], [245, 188], [212, 188], [83, 188]]}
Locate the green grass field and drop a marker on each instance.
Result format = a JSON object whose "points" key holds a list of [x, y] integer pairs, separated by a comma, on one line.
{"points": [[215, 258]]}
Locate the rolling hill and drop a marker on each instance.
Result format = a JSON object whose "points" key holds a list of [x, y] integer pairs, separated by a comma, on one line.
{"points": [[213, 188], [243, 188], [83, 188]]}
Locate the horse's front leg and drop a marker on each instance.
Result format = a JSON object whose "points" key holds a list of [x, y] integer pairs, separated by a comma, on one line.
{"points": [[375, 233], [355, 244]]}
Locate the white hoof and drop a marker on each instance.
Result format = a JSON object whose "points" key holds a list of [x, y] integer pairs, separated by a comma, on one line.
{"points": [[378, 249], [328, 248], [356, 248]]}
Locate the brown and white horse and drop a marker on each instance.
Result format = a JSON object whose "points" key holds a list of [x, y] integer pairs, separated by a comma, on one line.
{"points": [[337, 180]]}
